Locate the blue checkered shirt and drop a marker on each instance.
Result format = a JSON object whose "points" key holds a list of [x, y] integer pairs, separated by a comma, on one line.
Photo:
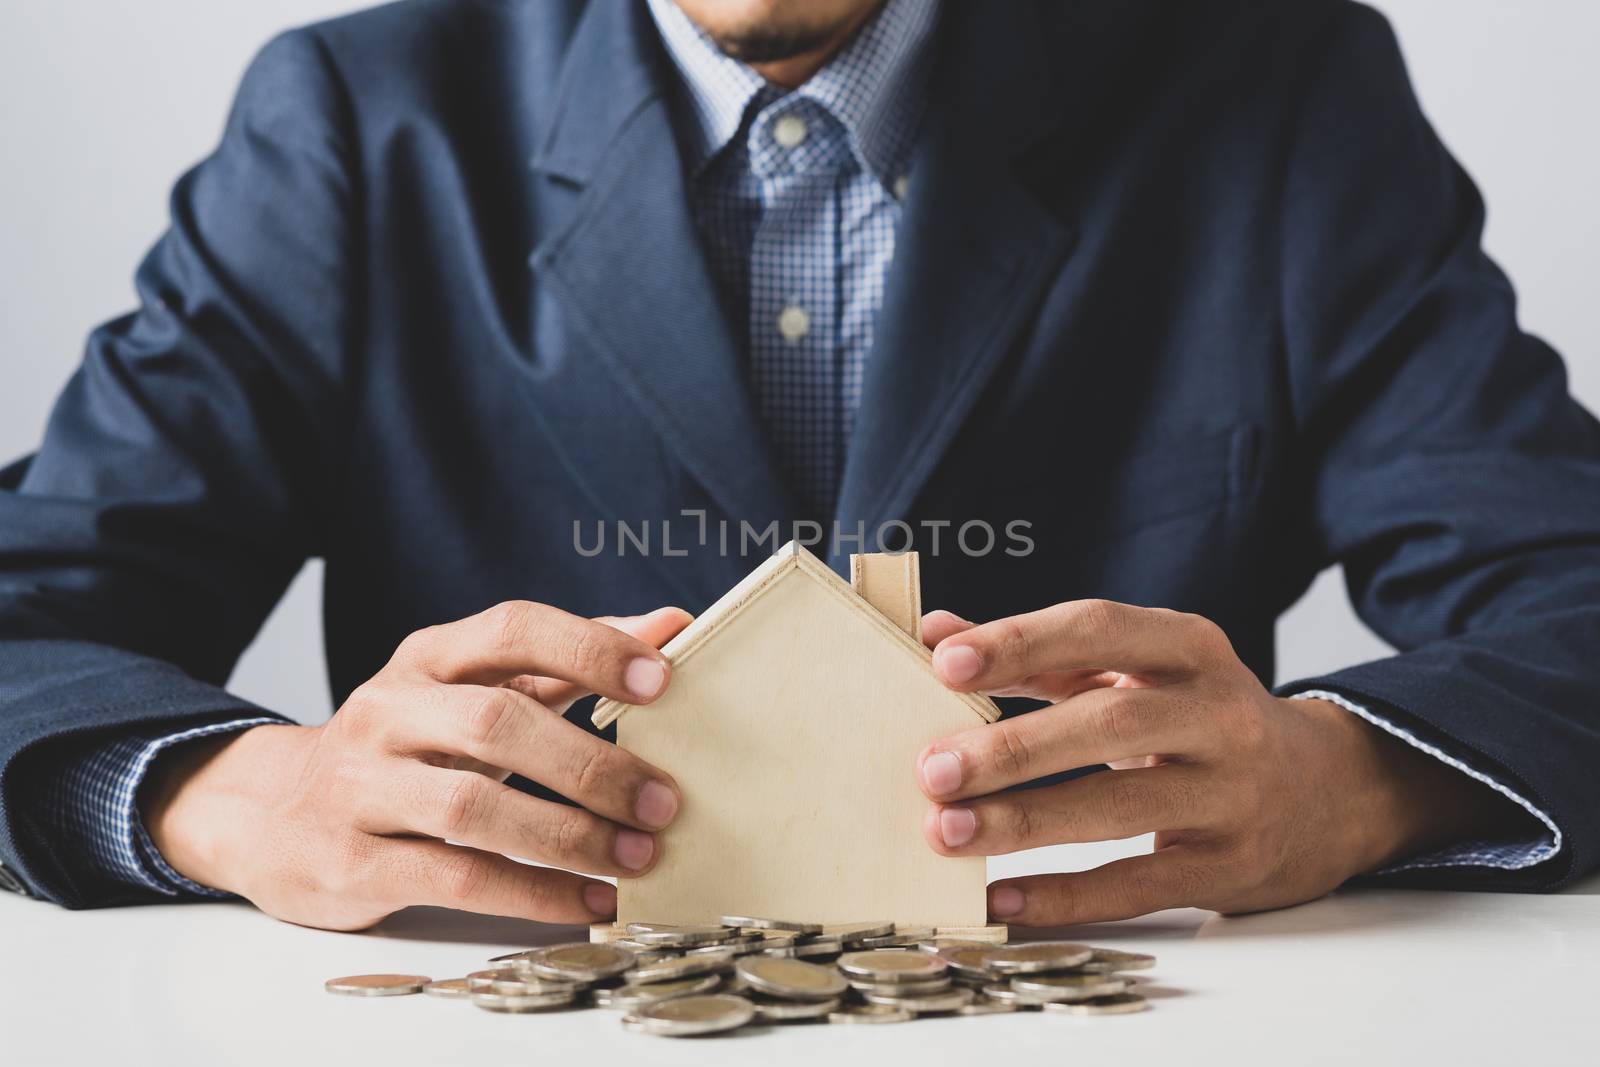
{"points": [[797, 197]]}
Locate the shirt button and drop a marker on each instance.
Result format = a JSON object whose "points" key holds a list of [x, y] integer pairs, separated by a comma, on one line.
{"points": [[789, 131], [793, 322], [901, 185]]}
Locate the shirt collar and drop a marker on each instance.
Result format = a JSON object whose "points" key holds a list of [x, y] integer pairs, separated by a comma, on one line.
{"points": [[873, 86]]}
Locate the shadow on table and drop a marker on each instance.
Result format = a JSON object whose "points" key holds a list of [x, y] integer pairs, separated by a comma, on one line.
{"points": [[463, 927]]}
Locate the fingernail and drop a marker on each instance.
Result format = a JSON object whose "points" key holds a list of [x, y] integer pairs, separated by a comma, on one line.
{"points": [[1006, 902], [958, 663], [644, 678], [634, 849], [600, 898], [656, 804], [941, 772], [956, 826]]}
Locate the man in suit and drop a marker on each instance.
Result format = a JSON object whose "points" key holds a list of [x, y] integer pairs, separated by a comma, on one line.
{"points": [[1190, 292]]}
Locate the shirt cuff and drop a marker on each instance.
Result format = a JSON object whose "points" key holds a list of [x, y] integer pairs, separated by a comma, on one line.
{"points": [[93, 806], [1505, 855]]}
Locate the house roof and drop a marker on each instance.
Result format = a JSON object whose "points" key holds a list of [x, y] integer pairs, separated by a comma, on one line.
{"points": [[793, 557]]}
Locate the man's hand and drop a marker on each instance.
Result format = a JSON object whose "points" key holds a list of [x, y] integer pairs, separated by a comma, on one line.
{"points": [[1256, 802], [339, 825]]}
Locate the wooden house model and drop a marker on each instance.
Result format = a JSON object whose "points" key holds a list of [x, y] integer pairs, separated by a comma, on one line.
{"points": [[797, 708]]}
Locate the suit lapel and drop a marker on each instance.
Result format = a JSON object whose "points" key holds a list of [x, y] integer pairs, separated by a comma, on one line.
{"points": [[974, 250], [624, 261]]}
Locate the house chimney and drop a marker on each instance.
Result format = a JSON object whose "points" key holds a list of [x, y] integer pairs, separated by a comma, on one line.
{"points": [[893, 585]]}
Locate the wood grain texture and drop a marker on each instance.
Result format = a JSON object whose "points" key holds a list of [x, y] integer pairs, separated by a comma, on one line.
{"points": [[893, 585], [792, 726]]}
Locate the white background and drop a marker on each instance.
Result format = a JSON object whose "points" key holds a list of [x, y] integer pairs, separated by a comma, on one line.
{"points": [[104, 102]]}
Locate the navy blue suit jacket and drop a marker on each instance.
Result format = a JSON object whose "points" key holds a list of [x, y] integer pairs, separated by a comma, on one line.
{"points": [[1193, 288]]}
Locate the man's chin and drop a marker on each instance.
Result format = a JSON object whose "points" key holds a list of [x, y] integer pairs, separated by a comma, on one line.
{"points": [[774, 44]]}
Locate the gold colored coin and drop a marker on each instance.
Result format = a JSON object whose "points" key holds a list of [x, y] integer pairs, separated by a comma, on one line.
{"points": [[1036, 957], [791, 979], [449, 988], [870, 1013], [924, 1003], [1119, 1004], [774, 1010], [681, 967], [376, 985], [662, 935], [691, 1016], [1110, 960], [1062, 987], [902, 989], [517, 1003], [893, 965], [969, 960], [580, 961], [632, 996]]}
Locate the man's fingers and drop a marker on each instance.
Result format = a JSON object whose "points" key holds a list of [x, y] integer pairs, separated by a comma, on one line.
{"points": [[654, 629], [468, 879], [1051, 685], [1176, 877], [940, 624], [472, 810], [1099, 726], [519, 638], [1107, 806], [1080, 635], [503, 728]]}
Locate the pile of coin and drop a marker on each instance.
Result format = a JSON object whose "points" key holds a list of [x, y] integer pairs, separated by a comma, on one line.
{"points": [[684, 981]]}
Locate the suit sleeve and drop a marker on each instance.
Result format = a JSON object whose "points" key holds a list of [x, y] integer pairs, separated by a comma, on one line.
{"points": [[185, 470], [1449, 470]]}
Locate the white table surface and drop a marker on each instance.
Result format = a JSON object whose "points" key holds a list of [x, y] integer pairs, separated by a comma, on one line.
{"points": [[1364, 976]]}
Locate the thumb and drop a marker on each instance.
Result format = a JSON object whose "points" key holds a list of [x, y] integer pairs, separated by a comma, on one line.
{"points": [[655, 629]]}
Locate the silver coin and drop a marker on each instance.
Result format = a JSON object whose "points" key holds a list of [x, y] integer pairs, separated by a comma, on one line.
{"points": [[901, 937], [1036, 957], [376, 985], [449, 989], [1110, 960], [870, 1013], [630, 997], [719, 949], [1063, 987], [1119, 1004], [657, 935], [775, 1010], [821, 946], [897, 965], [987, 1006], [515, 980], [925, 1003], [970, 961], [680, 967], [901, 989], [705, 1013], [1006, 995], [747, 922], [579, 961], [516, 1003], [746, 946], [511, 959], [791, 979], [850, 933]]}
